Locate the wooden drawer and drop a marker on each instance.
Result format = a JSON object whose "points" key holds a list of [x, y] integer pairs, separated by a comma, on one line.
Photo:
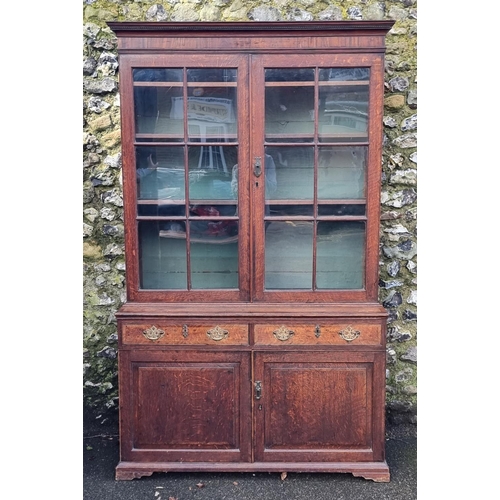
{"points": [[318, 334], [184, 334]]}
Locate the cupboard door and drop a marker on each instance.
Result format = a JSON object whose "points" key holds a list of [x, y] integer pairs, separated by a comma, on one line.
{"points": [[185, 406], [319, 406]]}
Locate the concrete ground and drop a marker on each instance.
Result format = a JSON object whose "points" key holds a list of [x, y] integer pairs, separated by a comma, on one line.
{"points": [[100, 456]]}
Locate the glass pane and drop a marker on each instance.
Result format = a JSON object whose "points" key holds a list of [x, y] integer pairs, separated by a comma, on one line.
{"points": [[211, 114], [288, 255], [154, 113], [340, 255], [342, 209], [160, 173], [289, 112], [162, 259], [290, 75], [289, 209], [211, 110], [212, 173], [341, 172], [343, 112], [344, 74], [208, 227], [211, 75], [289, 173], [214, 254], [157, 75]]}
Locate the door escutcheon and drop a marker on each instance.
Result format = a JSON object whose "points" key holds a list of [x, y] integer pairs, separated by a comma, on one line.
{"points": [[258, 389], [257, 166]]}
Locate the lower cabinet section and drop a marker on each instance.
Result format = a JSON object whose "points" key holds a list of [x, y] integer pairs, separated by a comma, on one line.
{"points": [[252, 411]]}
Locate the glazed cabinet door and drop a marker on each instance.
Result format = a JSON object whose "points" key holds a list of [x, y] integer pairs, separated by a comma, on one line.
{"points": [[319, 406], [316, 146], [185, 406], [185, 132]]}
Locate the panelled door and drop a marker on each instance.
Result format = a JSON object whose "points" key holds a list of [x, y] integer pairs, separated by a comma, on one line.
{"points": [[185, 406], [317, 406]]}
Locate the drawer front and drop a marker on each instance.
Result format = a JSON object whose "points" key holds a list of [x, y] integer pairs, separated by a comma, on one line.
{"points": [[185, 334], [318, 334]]}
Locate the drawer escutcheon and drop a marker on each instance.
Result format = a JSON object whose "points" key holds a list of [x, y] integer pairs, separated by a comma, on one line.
{"points": [[153, 333], [349, 334], [317, 331], [217, 333]]}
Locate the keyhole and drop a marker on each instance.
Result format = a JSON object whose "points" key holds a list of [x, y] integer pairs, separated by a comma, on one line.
{"points": [[257, 184]]}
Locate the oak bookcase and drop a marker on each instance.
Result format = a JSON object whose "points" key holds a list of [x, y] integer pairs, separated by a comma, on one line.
{"points": [[252, 338]]}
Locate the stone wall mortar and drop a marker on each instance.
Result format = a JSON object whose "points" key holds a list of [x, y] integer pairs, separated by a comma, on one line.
{"points": [[103, 241]]}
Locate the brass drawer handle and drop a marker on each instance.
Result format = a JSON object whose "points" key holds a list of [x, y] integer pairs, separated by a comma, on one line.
{"points": [[217, 333], [349, 334], [153, 333], [283, 333]]}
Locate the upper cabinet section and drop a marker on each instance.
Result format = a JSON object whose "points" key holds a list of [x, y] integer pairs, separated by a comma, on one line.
{"points": [[251, 160]]}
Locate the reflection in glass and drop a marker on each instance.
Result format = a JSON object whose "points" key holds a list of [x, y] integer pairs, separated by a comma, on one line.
{"points": [[212, 173], [343, 110], [289, 75], [341, 172], [157, 75], [289, 209], [211, 113], [289, 113], [294, 173], [289, 255], [344, 74], [214, 254], [340, 255], [342, 209], [153, 108], [160, 173], [211, 75], [162, 255]]}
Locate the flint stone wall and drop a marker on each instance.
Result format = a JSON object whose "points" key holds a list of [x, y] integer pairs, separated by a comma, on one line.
{"points": [[103, 241]]}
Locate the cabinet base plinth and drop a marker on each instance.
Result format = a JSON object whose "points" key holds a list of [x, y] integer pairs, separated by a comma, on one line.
{"points": [[376, 471]]}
